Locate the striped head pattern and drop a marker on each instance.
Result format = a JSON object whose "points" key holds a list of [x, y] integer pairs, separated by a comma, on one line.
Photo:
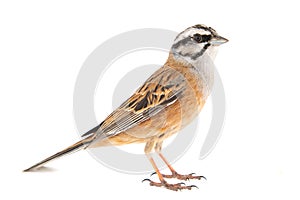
{"points": [[195, 41]]}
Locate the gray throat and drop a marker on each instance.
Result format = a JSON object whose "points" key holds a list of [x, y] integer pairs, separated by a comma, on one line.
{"points": [[203, 66]]}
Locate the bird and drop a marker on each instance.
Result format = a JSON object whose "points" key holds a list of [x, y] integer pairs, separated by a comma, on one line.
{"points": [[168, 101]]}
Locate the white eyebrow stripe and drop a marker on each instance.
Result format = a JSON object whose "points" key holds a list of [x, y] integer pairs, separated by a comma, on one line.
{"points": [[190, 32]]}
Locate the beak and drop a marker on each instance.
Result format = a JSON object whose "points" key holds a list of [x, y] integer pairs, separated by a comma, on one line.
{"points": [[218, 40]]}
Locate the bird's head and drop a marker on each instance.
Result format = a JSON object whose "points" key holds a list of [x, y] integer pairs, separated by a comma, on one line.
{"points": [[195, 41]]}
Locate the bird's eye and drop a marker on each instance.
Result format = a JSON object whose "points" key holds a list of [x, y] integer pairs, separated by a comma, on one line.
{"points": [[197, 37]]}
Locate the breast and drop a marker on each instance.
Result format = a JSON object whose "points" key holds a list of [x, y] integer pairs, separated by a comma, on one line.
{"points": [[197, 86]]}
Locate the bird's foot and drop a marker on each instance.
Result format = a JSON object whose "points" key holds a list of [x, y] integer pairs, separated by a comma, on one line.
{"points": [[174, 187], [181, 177]]}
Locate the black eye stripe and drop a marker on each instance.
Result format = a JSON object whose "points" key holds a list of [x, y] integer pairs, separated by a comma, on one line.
{"points": [[201, 38], [206, 38]]}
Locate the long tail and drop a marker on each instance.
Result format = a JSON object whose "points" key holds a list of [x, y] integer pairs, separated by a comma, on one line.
{"points": [[71, 149]]}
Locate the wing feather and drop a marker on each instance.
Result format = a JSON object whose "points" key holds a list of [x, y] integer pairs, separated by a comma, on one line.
{"points": [[158, 92]]}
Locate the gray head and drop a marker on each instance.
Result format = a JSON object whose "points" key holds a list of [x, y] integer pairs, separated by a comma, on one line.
{"points": [[196, 41]]}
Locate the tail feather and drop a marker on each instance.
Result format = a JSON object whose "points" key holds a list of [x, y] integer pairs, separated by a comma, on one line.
{"points": [[71, 149]]}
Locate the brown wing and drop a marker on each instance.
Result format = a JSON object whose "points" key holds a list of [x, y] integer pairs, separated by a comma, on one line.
{"points": [[158, 92]]}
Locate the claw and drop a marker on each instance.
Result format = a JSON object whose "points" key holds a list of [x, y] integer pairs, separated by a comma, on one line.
{"points": [[202, 177], [192, 174], [174, 187], [146, 179], [152, 174], [195, 186]]}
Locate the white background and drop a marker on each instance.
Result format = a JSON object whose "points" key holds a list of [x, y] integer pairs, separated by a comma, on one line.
{"points": [[43, 45]]}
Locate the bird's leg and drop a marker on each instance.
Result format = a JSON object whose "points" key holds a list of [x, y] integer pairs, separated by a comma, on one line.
{"points": [[163, 183], [175, 174]]}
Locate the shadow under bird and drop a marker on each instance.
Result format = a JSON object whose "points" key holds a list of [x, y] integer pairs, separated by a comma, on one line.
{"points": [[167, 102]]}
